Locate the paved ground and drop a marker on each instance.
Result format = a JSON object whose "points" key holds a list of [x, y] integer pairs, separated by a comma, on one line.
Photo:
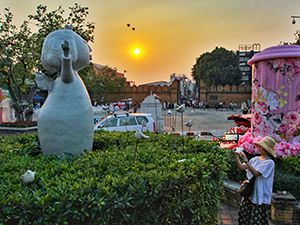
{"points": [[203, 120], [228, 215], [208, 120]]}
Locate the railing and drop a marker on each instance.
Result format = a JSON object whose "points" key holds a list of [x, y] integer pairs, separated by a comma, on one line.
{"points": [[169, 120]]}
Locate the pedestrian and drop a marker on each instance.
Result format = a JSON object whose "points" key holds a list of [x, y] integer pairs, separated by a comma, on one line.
{"points": [[116, 108], [245, 109], [255, 209], [135, 108], [231, 106]]}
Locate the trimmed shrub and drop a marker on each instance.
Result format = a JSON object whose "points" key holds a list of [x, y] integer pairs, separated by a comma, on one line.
{"points": [[122, 181]]}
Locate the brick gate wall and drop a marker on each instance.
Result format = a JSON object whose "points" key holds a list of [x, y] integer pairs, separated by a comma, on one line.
{"points": [[227, 93], [139, 93], [213, 94]]}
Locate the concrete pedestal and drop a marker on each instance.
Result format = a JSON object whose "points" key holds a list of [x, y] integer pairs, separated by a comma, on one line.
{"points": [[282, 208], [152, 105]]}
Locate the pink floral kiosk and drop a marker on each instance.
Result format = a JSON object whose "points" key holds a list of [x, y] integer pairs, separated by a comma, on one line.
{"points": [[275, 100]]}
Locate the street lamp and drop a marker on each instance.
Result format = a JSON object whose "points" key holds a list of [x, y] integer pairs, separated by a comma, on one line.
{"points": [[294, 21]]}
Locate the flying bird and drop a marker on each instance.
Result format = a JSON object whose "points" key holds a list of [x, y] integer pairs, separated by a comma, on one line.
{"points": [[181, 108], [139, 135], [28, 176], [133, 28]]}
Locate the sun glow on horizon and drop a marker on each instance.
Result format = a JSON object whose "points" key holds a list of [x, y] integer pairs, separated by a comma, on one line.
{"points": [[136, 51]]}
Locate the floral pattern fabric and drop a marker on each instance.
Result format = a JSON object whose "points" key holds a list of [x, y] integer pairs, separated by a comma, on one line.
{"points": [[276, 106]]}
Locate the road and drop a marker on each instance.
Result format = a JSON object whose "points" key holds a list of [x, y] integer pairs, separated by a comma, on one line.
{"points": [[208, 120]]}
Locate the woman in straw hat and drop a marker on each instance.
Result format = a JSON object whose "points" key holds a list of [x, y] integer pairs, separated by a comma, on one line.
{"points": [[255, 209]]}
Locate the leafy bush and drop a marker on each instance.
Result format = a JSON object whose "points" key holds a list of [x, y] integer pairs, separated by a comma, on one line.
{"points": [[289, 165], [122, 181], [288, 182]]}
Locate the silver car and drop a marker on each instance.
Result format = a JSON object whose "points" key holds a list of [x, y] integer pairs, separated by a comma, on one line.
{"points": [[126, 122]]}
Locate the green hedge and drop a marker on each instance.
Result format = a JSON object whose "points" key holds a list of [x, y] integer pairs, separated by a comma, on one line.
{"points": [[287, 174], [119, 182]]}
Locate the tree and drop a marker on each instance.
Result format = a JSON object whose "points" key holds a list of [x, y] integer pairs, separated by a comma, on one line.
{"points": [[219, 67], [297, 37], [102, 82], [20, 50]]}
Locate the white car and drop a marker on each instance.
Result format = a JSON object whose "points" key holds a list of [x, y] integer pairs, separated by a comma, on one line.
{"points": [[126, 122]]}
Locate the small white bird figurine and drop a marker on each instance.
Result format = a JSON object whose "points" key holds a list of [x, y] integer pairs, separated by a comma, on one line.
{"points": [[182, 160], [155, 96], [181, 108], [189, 123], [139, 135], [28, 176]]}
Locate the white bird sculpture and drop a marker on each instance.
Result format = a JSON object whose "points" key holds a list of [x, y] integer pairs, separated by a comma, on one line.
{"points": [[180, 109], [144, 124], [189, 123], [28, 176], [139, 135], [155, 96]]}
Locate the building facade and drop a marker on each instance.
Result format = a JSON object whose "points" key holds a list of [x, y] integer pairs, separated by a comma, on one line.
{"points": [[229, 93], [246, 52]]}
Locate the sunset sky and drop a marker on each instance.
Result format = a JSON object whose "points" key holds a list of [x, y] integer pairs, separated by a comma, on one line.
{"points": [[171, 34]]}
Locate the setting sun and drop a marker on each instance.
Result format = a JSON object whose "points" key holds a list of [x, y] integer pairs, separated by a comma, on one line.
{"points": [[136, 51]]}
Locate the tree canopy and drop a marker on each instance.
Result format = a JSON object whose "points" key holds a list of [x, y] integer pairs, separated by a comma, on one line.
{"points": [[219, 67], [102, 81], [20, 49]]}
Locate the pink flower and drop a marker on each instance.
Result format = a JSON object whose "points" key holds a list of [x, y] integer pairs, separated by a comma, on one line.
{"points": [[277, 62], [296, 70], [293, 62], [283, 128], [262, 106], [292, 118], [258, 118], [267, 129], [255, 85], [254, 89], [290, 62], [282, 149], [257, 132]]}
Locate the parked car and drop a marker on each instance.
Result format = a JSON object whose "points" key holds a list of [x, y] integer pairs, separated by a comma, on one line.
{"points": [[126, 122]]}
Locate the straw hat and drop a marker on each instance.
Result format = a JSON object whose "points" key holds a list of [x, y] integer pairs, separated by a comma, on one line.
{"points": [[267, 143]]}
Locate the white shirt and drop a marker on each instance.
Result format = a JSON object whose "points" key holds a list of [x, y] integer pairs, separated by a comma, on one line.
{"points": [[263, 186]]}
